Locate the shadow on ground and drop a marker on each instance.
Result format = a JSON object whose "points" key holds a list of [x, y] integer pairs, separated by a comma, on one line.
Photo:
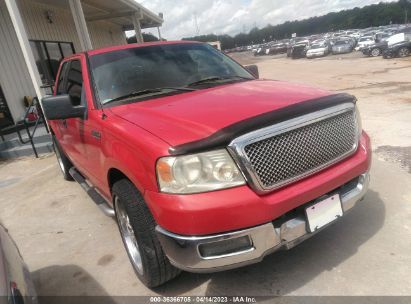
{"points": [[283, 272], [68, 284]]}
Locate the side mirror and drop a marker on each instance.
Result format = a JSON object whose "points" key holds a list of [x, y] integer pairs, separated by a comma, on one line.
{"points": [[61, 107], [253, 69]]}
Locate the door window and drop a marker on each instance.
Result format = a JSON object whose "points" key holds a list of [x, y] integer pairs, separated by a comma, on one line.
{"points": [[60, 84], [74, 85], [71, 81]]}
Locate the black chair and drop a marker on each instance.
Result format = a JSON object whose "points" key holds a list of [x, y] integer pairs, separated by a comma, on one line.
{"points": [[25, 124]]}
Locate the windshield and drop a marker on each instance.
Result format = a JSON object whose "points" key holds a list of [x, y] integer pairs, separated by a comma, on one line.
{"points": [[317, 46], [365, 39], [139, 69], [341, 42]]}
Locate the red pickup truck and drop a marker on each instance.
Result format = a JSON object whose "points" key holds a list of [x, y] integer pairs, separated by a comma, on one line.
{"points": [[205, 166]]}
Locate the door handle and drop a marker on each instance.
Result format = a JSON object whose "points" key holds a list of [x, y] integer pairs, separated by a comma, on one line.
{"points": [[64, 122], [96, 134]]}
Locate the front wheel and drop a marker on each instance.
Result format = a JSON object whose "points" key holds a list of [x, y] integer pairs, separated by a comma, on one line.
{"points": [[375, 52], [63, 161], [403, 52], [137, 229]]}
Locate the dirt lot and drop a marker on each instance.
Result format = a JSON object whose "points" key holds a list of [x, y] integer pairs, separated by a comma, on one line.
{"points": [[73, 249]]}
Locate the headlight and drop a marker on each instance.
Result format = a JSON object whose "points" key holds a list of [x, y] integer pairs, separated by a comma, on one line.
{"points": [[197, 173], [359, 122]]}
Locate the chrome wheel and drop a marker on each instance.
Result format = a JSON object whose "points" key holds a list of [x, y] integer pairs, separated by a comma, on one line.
{"points": [[403, 52], [376, 52], [128, 236]]}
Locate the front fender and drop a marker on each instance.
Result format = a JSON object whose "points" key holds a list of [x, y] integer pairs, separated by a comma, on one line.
{"points": [[134, 152]]}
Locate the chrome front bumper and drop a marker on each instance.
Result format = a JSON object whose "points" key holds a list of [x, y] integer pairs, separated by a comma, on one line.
{"points": [[184, 251], [314, 55]]}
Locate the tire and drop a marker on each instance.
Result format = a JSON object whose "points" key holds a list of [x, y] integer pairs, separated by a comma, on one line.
{"points": [[403, 52], [64, 163], [137, 230], [375, 52]]}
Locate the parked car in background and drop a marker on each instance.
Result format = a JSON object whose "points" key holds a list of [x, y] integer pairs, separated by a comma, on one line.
{"points": [[399, 37], [400, 49], [351, 41], [260, 51], [298, 51], [279, 48], [318, 50], [381, 37], [364, 41], [375, 50], [200, 180], [392, 33], [341, 47], [16, 286]]}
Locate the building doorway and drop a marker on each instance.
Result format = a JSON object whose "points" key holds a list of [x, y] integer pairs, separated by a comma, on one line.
{"points": [[5, 115]]}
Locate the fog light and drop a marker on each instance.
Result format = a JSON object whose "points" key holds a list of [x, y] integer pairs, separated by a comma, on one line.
{"points": [[225, 247]]}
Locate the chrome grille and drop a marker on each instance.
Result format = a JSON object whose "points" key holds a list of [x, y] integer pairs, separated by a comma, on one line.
{"points": [[288, 156]]}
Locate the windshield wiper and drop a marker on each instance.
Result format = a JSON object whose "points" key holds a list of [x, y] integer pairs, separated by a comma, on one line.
{"points": [[217, 79], [148, 92]]}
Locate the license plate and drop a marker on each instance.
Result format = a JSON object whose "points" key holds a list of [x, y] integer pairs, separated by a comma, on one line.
{"points": [[324, 212]]}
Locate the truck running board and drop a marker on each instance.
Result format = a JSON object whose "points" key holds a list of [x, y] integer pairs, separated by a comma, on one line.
{"points": [[91, 191]]}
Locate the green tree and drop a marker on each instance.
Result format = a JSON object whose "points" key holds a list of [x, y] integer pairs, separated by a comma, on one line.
{"points": [[356, 18], [147, 37]]}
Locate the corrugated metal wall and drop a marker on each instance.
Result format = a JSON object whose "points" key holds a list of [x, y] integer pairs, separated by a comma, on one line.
{"points": [[14, 77], [38, 28], [102, 33]]}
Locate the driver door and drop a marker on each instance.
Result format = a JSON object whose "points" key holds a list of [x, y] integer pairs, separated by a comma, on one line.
{"points": [[71, 130]]}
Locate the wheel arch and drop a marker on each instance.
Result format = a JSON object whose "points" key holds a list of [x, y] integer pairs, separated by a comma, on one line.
{"points": [[114, 175], [404, 48]]}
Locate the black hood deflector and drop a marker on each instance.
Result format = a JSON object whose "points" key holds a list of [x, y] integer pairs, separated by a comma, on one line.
{"points": [[223, 137]]}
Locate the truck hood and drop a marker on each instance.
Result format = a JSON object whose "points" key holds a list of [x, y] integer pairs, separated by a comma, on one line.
{"points": [[396, 38], [321, 49], [196, 115], [399, 44], [318, 50], [341, 47]]}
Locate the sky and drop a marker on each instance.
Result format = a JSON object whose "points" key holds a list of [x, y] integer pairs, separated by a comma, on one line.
{"points": [[236, 16]]}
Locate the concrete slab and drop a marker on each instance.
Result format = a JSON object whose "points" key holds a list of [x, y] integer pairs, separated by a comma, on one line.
{"points": [[73, 249]]}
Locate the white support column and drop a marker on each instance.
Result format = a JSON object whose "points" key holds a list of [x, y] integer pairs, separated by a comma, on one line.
{"points": [[81, 25], [137, 26], [159, 33], [25, 46]]}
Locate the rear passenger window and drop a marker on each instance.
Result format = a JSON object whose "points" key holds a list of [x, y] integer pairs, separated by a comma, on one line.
{"points": [[74, 85]]}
